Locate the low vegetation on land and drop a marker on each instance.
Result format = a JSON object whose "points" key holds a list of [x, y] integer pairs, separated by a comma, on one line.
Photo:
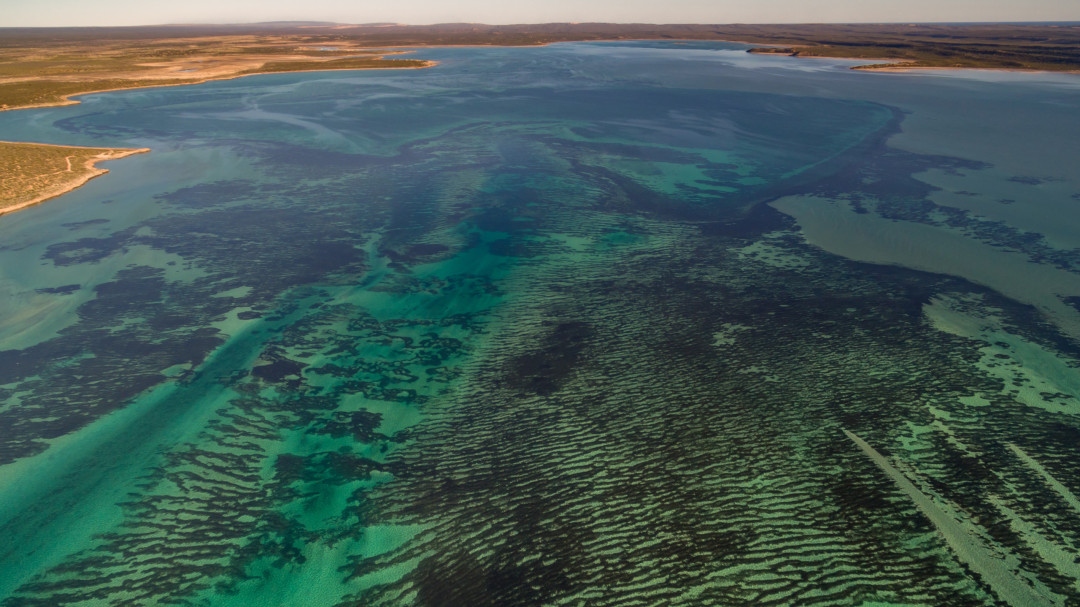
{"points": [[41, 71], [33, 173]]}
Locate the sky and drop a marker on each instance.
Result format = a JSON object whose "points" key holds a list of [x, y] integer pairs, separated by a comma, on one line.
{"points": [[14, 13]]}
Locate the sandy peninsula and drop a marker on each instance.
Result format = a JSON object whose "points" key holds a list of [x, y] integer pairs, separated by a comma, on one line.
{"points": [[35, 172], [44, 73]]}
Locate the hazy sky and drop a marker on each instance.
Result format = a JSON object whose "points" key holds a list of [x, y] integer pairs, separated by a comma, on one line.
{"points": [[146, 12]]}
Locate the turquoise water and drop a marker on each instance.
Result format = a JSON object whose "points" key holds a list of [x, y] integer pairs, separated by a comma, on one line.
{"points": [[574, 325]]}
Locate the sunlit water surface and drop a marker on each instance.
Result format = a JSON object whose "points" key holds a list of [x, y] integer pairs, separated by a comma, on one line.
{"points": [[574, 325]]}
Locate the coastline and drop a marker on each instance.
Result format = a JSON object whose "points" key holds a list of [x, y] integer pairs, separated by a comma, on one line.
{"points": [[886, 67], [904, 69], [900, 66], [897, 65], [90, 165], [118, 153], [881, 67], [67, 99]]}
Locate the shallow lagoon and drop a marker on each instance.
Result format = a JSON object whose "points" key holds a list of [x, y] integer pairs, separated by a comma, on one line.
{"points": [[525, 329]]}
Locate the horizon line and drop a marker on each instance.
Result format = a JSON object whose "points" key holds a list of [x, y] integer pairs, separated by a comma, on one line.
{"points": [[538, 23]]}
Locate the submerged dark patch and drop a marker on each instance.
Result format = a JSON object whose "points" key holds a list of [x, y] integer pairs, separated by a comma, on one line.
{"points": [[64, 290], [78, 225], [542, 371]]}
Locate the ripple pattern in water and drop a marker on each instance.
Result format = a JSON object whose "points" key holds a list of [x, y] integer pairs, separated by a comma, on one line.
{"points": [[520, 330]]}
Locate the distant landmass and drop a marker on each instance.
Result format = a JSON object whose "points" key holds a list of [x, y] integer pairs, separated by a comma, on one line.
{"points": [[1029, 46], [47, 66]]}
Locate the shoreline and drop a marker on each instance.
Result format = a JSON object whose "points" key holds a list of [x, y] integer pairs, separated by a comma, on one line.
{"points": [[892, 64], [401, 50], [903, 69], [90, 165], [118, 153], [869, 67], [67, 99]]}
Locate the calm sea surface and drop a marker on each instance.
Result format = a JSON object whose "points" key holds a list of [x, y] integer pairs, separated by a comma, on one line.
{"points": [[575, 325]]}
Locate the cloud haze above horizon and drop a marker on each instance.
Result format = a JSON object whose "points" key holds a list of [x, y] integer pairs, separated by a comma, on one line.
{"points": [[41, 13]]}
